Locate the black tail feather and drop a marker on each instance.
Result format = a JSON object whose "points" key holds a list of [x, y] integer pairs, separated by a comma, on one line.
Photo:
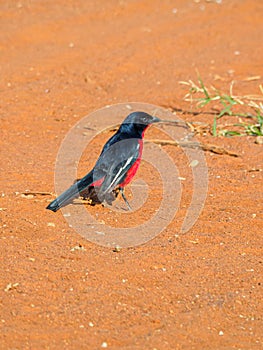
{"points": [[73, 192]]}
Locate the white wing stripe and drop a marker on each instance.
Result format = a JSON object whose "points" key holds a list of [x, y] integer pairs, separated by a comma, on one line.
{"points": [[118, 173]]}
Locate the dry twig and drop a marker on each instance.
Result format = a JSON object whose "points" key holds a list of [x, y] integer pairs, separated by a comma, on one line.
{"points": [[37, 193], [193, 144]]}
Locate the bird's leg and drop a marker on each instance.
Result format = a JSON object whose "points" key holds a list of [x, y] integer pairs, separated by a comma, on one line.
{"points": [[124, 198]]}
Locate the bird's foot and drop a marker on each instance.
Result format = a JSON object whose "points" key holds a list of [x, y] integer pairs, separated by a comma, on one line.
{"points": [[124, 198]]}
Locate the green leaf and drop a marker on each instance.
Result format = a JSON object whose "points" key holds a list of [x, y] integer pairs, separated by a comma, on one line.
{"points": [[203, 87], [230, 133], [214, 131], [226, 110]]}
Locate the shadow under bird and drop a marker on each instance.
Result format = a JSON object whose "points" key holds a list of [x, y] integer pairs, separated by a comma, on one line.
{"points": [[116, 166]]}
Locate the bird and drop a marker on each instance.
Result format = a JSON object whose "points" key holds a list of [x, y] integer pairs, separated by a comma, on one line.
{"points": [[116, 166]]}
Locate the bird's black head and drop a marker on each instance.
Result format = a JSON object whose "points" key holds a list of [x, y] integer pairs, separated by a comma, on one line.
{"points": [[138, 122]]}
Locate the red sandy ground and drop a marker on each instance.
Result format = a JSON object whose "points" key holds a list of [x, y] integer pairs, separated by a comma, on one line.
{"points": [[62, 60]]}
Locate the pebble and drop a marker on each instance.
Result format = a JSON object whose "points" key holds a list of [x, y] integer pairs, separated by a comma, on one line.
{"points": [[77, 247], [11, 286], [194, 163], [259, 140], [117, 249]]}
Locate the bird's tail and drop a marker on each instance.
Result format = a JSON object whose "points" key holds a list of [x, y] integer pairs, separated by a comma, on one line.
{"points": [[71, 193]]}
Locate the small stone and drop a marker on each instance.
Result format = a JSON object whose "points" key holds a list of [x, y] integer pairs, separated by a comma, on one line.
{"points": [[51, 224], [221, 333], [259, 140], [104, 345], [77, 247], [11, 286], [194, 163], [117, 249]]}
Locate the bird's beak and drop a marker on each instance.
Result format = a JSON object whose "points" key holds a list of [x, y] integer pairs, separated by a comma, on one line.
{"points": [[156, 120]]}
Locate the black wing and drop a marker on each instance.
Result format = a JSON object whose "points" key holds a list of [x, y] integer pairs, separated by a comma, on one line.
{"points": [[114, 163]]}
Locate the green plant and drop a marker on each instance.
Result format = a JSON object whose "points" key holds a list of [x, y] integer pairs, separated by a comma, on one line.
{"points": [[227, 103]]}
